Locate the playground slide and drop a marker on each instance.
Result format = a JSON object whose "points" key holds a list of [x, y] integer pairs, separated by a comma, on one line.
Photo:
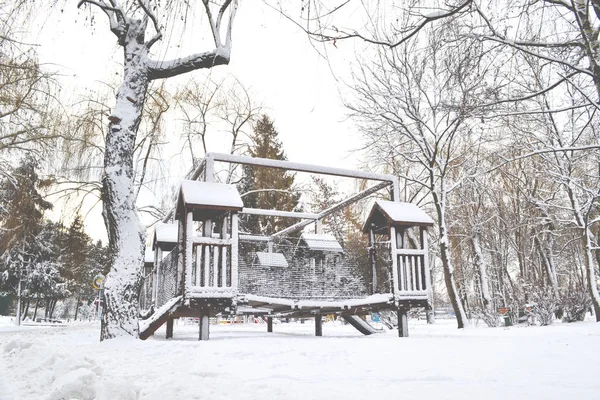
{"points": [[361, 325], [160, 316]]}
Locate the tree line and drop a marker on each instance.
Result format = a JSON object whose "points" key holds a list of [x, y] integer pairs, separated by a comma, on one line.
{"points": [[43, 262]]}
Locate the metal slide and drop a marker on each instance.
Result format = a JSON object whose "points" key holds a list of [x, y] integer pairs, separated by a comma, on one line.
{"points": [[361, 325]]}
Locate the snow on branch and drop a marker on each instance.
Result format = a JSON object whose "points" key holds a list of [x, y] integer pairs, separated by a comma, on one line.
{"points": [[219, 56], [169, 68], [114, 12]]}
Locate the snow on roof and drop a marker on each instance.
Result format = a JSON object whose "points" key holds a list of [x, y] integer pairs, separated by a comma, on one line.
{"points": [[166, 233], [271, 259], [322, 242], [211, 195], [404, 212], [393, 211], [148, 255]]}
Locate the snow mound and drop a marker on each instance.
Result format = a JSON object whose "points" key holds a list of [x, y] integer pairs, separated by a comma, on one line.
{"points": [[117, 390], [16, 345], [79, 384]]}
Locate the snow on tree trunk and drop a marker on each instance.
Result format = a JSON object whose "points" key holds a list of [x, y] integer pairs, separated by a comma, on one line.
{"points": [[590, 272], [481, 268], [126, 236], [459, 311], [125, 233], [586, 244]]}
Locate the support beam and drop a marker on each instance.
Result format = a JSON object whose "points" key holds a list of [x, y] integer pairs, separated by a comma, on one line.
{"points": [[169, 328], [203, 326], [269, 324], [402, 322], [318, 325], [293, 166], [278, 213], [334, 208]]}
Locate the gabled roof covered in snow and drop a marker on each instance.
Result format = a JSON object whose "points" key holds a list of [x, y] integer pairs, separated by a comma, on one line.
{"points": [[165, 236], [387, 213], [271, 259], [199, 196], [322, 242]]}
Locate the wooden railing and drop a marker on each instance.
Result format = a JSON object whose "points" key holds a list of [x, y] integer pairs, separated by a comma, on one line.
{"points": [[411, 272], [211, 266]]}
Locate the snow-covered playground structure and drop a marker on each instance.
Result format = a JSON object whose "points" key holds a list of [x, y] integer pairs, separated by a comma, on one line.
{"points": [[203, 265]]}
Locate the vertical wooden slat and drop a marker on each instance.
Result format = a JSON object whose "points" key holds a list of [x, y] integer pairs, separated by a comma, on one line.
{"points": [[198, 250], [400, 263], [413, 266], [206, 249], [214, 265], [223, 266], [407, 274], [418, 267]]}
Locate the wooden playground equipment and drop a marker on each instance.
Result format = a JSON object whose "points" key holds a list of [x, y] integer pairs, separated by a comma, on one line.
{"points": [[204, 266]]}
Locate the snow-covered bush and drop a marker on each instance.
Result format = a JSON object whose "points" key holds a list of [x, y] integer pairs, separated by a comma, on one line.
{"points": [[490, 317], [543, 306], [575, 306]]}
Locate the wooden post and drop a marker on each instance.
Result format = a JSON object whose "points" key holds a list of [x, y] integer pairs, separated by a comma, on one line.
{"points": [[372, 258], [169, 328], [234, 251], [203, 326], [180, 250], [188, 248], [394, 249], [156, 272], [318, 325], [402, 322], [209, 168], [269, 324]]}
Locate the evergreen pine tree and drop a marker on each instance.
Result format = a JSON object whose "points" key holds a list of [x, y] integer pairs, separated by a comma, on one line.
{"points": [[267, 188], [21, 221]]}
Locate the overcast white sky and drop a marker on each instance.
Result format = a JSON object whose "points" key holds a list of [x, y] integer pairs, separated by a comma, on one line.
{"points": [[270, 56]]}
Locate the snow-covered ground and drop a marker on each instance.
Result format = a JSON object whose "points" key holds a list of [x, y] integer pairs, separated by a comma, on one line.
{"points": [[245, 362]]}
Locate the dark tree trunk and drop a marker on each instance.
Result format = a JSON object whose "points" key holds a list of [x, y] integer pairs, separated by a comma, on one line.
{"points": [[37, 304], [52, 305], [77, 305], [24, 314], [449, 278]]}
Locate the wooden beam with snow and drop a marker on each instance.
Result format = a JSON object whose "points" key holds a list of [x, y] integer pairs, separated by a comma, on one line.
{"points": [[335, 207], [294, 166], [277, 213]]}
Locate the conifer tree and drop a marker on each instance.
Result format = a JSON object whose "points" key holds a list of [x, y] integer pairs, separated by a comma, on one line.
{"points": [[267, 188], [21, 221]]}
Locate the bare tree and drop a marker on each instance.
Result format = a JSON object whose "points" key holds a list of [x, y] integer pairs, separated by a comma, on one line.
{"points": [[224, 107], [413, 104], [28, 107], [137, 26]]}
